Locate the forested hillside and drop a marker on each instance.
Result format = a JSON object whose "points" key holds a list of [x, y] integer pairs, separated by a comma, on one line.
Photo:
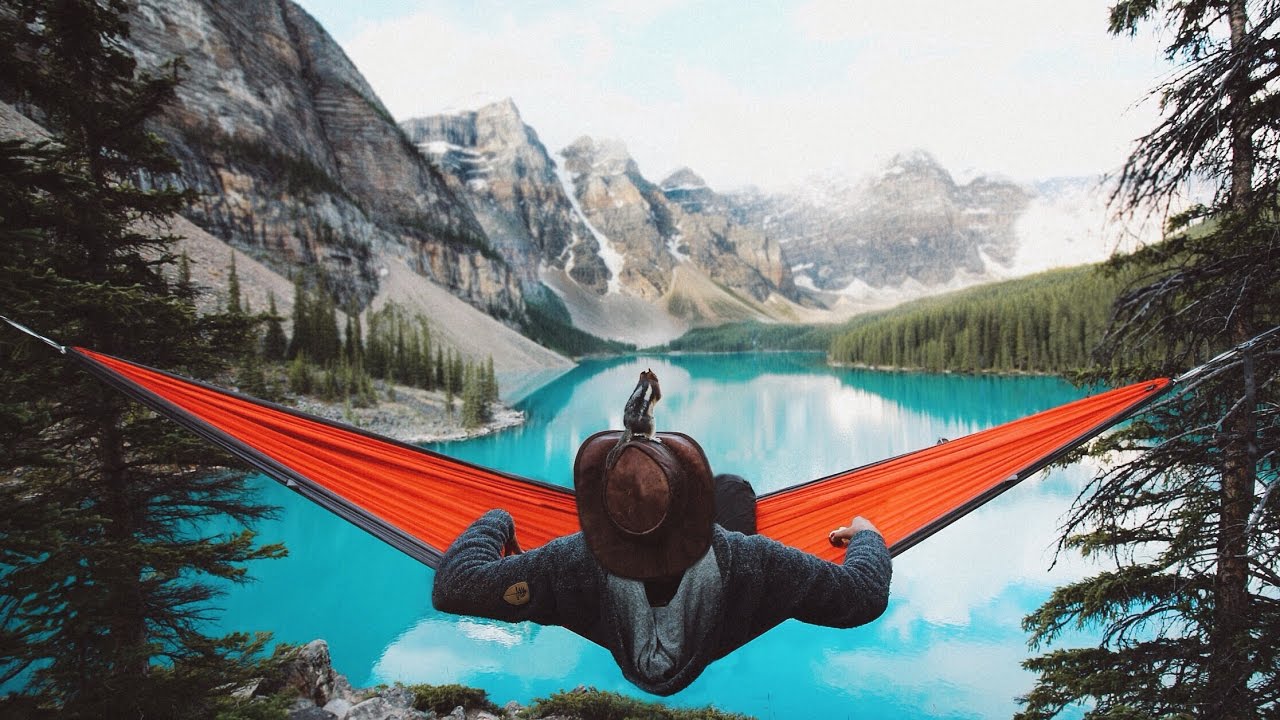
{"points": [[1044, 323], [752, 335]]}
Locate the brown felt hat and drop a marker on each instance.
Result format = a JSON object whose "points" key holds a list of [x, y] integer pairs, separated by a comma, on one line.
{"points": [[650, 514]]}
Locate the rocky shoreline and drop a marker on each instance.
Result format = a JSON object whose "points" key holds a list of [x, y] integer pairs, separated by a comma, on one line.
{"points": [[318, 692], [410, 415], [306, 687], [414, 416]]}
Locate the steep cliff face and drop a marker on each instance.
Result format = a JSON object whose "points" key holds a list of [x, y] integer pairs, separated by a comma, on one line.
{"points": [[911, 223], [654, 228], [725, 243], [628, 210], [497, 164], [297, 161]]}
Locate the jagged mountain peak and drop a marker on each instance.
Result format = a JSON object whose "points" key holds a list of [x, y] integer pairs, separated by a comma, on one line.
{"points": [[689, 190], [910, 225], [502, 112], [498, 165], [914, 157], [989, 180], [496, 127], [683, 179], [916, 163], [473, 102], [506, 105], [607, 156]]}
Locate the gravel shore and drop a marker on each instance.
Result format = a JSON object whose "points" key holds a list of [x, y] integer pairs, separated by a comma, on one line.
{"points": [[410, 415]]}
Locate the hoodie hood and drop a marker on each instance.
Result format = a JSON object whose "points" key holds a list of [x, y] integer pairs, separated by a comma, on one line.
{"points": [[664, 649]]}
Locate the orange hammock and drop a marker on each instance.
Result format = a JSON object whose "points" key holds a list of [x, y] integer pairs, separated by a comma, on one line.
{"points": [[419, 501]]}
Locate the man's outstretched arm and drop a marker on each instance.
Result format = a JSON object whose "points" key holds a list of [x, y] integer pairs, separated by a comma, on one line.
{"points": [[474, 578], [863, 578], [813, 590]]}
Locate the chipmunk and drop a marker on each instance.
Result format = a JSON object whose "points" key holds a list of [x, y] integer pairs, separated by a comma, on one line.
{"points": [[637, 416]]}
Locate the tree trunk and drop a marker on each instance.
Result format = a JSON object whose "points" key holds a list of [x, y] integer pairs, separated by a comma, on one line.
{"points": [[1229, 667], [126, 626]]}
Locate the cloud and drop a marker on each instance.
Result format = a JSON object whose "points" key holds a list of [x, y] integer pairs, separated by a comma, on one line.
{"points": [[1018, 89], [973, 677], [442, 649], [423, 62], [951, 577]]}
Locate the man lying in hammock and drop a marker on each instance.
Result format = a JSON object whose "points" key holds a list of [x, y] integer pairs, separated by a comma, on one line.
{"points": [[667, 573]]}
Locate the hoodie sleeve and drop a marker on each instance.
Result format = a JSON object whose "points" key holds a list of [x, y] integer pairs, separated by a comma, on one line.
{"points": [[475, 579], [790, 583], [853, 593]]}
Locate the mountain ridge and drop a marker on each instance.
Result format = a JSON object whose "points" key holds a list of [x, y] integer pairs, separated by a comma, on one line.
{"points": [[301, 166]]}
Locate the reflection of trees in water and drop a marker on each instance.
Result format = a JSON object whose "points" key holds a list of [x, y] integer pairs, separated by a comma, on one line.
{"points": [[751, 411]]}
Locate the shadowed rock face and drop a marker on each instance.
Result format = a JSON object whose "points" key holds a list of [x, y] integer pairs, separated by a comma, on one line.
{"points": [[298, 162], [627, 209], [655, 227], [496, 163]]}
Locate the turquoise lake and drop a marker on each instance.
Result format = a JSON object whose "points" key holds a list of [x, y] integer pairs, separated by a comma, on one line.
{"points": [[949, 646]]}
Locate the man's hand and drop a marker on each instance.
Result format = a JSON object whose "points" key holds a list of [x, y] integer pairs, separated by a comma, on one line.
{"points": [[512, 547], [840, 536]]}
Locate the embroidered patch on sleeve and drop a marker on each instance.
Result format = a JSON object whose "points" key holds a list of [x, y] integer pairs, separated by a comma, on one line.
{"points": [[517, 594]]}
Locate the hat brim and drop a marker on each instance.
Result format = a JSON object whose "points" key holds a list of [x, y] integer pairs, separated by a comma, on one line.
{"points": [[685, 535]]}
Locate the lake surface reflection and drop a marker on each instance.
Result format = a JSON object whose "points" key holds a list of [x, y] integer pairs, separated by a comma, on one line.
{"points": [[949, 646]]}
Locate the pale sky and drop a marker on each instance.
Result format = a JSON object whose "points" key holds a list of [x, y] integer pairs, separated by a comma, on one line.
{"points": [[767, 93]]}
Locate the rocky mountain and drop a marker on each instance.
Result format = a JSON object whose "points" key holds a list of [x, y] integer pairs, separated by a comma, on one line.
{"points": [[654, 228], [300, 166], [297, 161], [497, 165], [598, 218], [628, 210], [911, 223], [640, 261], [631, 259]]}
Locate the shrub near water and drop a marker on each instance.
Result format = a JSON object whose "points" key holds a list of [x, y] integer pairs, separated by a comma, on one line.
{"points": [[602, 705], [442, 699]]}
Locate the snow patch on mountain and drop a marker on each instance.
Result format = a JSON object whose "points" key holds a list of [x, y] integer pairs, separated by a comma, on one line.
{"points": [[608, 253]]}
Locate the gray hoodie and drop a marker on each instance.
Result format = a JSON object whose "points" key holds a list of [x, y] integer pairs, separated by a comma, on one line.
{"points": [[743, 586]]}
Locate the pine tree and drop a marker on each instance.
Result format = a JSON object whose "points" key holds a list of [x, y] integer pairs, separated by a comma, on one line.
{"points": [[274, 345], [301, 380], [490, 382], [233, 289], [426, 370], [102, 571], [1190, 620], [327, 343], [184, 288], [354, 348], [301, 341], [456, 372], [349, 340], [472, 397]]}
